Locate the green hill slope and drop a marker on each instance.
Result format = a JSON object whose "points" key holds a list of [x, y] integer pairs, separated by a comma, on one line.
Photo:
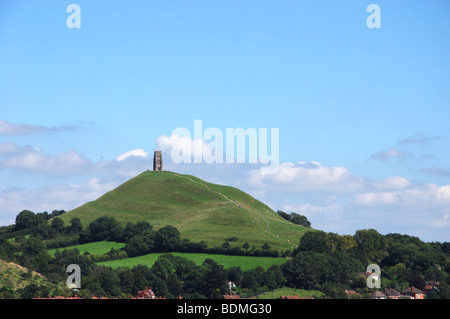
{"points": [[199, 210], [14, 276]]}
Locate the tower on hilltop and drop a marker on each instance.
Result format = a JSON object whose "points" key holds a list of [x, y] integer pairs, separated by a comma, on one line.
{"points": [[157, 161]]}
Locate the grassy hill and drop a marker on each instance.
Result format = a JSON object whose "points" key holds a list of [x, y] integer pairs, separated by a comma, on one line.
{"points": [[13, 276], [198, 209]]}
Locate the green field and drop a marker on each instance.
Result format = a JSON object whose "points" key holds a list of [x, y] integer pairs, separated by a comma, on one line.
{"points": [[97, 248], [199, 210], [286, 291], [245, 262]]}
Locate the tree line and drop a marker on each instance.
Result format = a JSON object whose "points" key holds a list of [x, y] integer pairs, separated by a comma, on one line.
{"points": [[322, 261]]}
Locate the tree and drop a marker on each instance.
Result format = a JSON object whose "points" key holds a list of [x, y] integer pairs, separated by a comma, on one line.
{"points": [[75, 225], [126, 280], [33, 246], [163, 268], [246, 246], [283, 215], [109, 281], [103, 228], [251, 279], [305, 270], [167, 238], [333, 290], [30, 291], [234, 274], [300, 220], [57, 223], [25, 219], [279, 278], [212, 279], [138, 245], [132, 230], [313, 241], [347, 243], [295, 218], [173, 286], [371, 246]]}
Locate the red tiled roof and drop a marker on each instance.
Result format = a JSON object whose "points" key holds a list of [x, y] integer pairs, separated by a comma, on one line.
{"points": [[412, 290], [391, 292], [231, 297]]}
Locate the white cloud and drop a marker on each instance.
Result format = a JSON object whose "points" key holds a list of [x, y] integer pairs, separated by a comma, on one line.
{"points": [[50, 197], [393, 153], [7, 128], [32, 160], [421, 197], [183, 149], [137, 152], [308, 177], [390, 183]]}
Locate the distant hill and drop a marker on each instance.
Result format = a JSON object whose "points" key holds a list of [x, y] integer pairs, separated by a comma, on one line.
{"points": [[198, 209]]}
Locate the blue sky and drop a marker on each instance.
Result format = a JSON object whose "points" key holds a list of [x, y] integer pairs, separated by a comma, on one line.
{"points": [[363, 113]]}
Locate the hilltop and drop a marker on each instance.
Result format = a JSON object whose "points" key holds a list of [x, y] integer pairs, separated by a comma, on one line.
{"points": [[198, 209]]}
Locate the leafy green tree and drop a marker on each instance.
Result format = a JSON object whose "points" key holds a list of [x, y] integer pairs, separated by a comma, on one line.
{"points": [[6, 250], [305, 270], [103, 228], [43, 230], [25, 219], [251, 279], [163, 268], [126, 280], [30, 291], [234, 274], [109, 281], [138, 245], [174, 286], [133, 229], [212, 280], [57, 223], [279, 278], [371, 246], [300, 220], [33, 246], [283, 215], [333, 290], [313, 241], [75, 225], [159, 287], [40, 218], [347, 244], [167, 238]]}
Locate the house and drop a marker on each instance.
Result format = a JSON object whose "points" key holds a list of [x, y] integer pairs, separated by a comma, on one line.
{"points": [[378, 295], [392, 293], [295, 297], [431, 286], [146, 294], [414, 292], [231, 297], [351, 294]]}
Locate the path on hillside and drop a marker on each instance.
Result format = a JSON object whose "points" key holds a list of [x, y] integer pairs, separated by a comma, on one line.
{"points": [[234, 202], [210, 188]]}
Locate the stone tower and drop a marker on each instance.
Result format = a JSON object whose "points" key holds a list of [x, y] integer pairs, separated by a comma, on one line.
{"points": [[157, 161]]}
